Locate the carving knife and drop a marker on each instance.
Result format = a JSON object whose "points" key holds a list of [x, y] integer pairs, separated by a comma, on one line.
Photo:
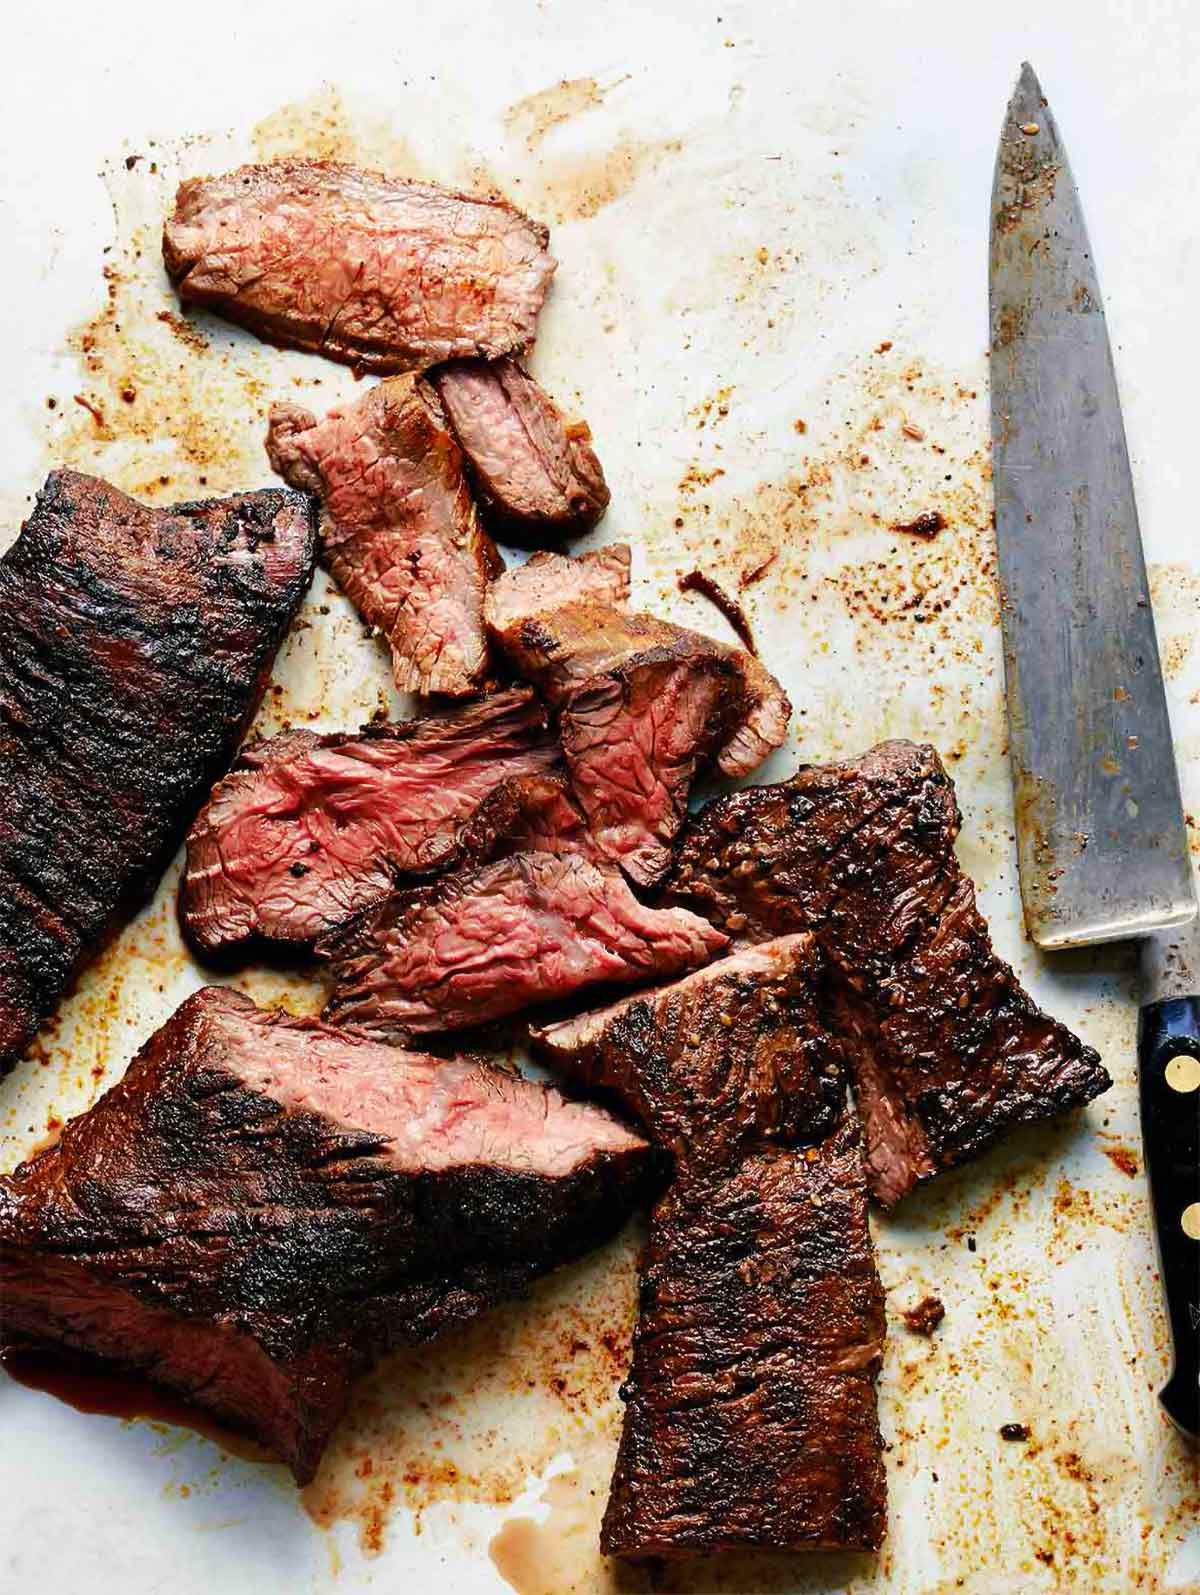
{"points": [[1101, 840]]}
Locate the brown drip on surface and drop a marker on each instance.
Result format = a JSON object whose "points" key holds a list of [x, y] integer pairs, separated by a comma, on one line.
{"points": [[91, 1388]]}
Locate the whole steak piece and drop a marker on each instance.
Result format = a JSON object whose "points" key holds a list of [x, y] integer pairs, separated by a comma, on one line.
{"points": [[535, 474], [399, 528], [534, 920], [262, 1206], [948, 1052], [135, 645], [307, 830], [644, 707], [381, 273], [750, 1418]]}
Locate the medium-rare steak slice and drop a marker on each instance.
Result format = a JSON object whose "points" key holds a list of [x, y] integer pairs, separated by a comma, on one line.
{"points": [[548, 581], [948, 1051], [750, 1417], [263, 1205], [730, 1056], [538, 923], [399, 528], [135, 644], [307, 830], [536, 475], [644, 707], [381, 273]]}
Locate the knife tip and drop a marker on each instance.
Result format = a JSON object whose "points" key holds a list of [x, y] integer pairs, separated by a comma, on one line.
{"points": [[1027, 96]]}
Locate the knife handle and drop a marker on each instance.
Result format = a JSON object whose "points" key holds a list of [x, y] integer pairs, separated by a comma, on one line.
{"points": [[1169, 1073]]}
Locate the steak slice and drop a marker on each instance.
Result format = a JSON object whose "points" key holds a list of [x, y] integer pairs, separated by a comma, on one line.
{"points": [[948, 1052], [549, 581], [644, 707], [534, 925], [381, 273], [135, 645], [307, 830], [750, 1411], [399, 528], [263, 1205], [750, 1416], [730, 1056], [535, 474]]}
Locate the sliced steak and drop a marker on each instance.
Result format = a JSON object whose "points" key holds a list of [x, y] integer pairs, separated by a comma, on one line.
{"points": [[306, 830], [750, 1417], [949, 1052], [730, 1056], [535, 925], [135, 645], [536, 475], [378, 272], [263, 1205], [644, 707], [549, 581], [399, 528]]}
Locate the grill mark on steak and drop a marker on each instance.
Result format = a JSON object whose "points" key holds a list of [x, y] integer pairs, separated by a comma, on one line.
{"points": [[262, 1206], [750, 1409], [135, 645], [644, 708], [948, 1052], [399, 528], [385, 274], [536, 476], [307, 830], [543, 920]]}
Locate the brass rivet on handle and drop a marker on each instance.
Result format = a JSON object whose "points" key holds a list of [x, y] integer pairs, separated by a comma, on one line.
{"points": [[1191, 1221], [1183, 1073]]}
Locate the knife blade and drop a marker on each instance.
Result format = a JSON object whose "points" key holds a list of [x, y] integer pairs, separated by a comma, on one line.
{"points": [[1101, 842]]}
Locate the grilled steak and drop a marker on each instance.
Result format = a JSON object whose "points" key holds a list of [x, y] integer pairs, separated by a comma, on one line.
{"points": [[539, 922], [535, 474], [378, 272], [399, 528], [548, 581], [134, 647], [307, 830], [263, 1205], [750, 1409], [948, 1051], [750, 1417], [644, 707], [730, 1056]]}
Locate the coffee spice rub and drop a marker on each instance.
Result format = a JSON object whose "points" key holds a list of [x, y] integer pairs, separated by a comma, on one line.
{"points": [[947, 1051]]}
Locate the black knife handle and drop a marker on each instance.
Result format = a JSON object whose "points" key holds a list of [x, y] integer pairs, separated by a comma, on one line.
{"points": [[1170, 1093]]}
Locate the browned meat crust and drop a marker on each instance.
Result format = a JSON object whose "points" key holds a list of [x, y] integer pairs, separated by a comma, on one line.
{"points": [[948, 1052], [135, 644], [262, 1205]]}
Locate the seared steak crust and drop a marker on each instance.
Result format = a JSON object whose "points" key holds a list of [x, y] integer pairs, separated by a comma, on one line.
{"points": [[307, 830], [135, 644], [536, 475], [262, 1205], [381, 273], [750, 1409], [750, 1416], [399, 528], [948, 1051]]}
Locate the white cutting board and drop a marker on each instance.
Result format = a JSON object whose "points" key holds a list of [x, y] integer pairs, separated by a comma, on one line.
{"points": [[764, 215]]}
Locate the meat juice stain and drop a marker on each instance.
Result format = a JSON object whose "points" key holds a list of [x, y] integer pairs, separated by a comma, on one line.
{"points": [[96, 1392]]}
